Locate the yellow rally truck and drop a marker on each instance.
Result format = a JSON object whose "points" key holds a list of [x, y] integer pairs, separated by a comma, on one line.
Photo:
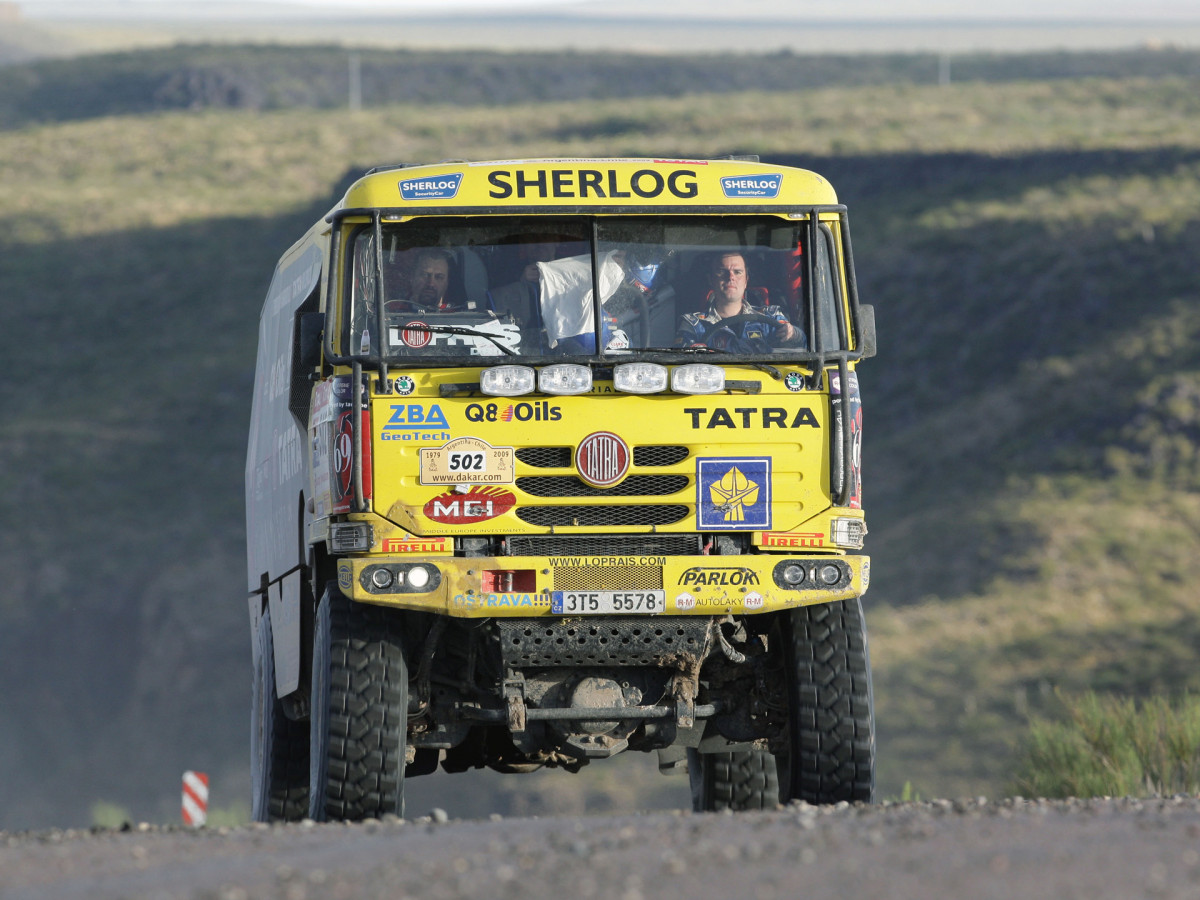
{"points": [[553, 459]]}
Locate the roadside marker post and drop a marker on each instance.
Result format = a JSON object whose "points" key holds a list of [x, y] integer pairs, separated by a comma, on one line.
{"points": [[195, 798]]}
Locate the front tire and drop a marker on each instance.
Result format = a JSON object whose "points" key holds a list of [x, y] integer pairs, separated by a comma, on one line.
{"points": [[831, 728], [278, 745], [359, 720], [736, 780]]}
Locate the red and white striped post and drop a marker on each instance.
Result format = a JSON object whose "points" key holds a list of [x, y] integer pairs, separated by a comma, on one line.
{"points": [[195, 798]]}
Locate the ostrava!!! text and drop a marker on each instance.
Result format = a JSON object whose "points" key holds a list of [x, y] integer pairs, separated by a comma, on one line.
{"points": [[608, 184]]}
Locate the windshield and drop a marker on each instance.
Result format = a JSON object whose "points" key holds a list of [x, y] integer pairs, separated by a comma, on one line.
{"points": [[444, 289]]}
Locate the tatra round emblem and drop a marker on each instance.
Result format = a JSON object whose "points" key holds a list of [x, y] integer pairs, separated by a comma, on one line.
{"points": [[417, 337], [602, 459]]}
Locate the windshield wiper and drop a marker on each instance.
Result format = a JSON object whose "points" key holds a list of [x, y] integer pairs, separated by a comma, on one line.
{"points": [[762, 367], [458, 329]]}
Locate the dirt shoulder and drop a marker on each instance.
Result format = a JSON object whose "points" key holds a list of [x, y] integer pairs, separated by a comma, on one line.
{"points": [[1013, 848]]}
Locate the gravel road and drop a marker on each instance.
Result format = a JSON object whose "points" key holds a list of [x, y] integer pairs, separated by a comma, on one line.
{"points": [[1121, 848]]}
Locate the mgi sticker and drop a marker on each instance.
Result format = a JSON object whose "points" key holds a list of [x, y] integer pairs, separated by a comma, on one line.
{"points": [[761, 186], [431, 187], [467, 460], [466, 507], [734, 493]]}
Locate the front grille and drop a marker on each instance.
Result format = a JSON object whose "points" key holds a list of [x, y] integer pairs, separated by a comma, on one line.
{"points": [[595, 516], [546, 457], [604, 545], [650, 455], [608, 578], [654, 455], [678, 642], [571, 486]]}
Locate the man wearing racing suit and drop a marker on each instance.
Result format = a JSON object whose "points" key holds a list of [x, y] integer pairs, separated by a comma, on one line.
{"points": [[727, 298]]}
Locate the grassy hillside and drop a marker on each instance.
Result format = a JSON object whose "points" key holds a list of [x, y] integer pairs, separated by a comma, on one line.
{"points": [[195, 77], [1032, 416]]}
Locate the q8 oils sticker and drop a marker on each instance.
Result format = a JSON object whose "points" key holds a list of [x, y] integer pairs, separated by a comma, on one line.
{"points": [[467, 460]]}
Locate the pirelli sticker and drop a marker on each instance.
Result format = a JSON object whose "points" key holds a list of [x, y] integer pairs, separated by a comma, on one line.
{"points": [[467, 460]]}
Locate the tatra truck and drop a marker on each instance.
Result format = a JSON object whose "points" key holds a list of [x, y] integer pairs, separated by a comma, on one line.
{"points": [[554, 459]]}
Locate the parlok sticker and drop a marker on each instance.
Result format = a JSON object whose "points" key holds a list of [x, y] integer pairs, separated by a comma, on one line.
{"points": [[467, 460]]}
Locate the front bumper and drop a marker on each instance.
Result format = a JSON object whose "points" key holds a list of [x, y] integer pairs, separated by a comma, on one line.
{"points": [[479, 587]]}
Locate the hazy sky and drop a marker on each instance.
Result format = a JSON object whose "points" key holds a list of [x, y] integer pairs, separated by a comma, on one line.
{"points": [[1087, 10]]}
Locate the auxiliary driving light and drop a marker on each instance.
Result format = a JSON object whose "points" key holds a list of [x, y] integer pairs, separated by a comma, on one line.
{"points": [[418, 577], [565, 378], [507, 381], [793, 574], [830, 574], [381, 578], [640, 378], [697, 378]]}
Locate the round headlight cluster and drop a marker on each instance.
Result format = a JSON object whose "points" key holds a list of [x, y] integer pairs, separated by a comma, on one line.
{"points": [[800, 573], [416, 578]]}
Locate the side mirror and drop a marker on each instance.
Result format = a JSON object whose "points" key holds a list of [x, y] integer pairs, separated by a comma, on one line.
{"points": [[308, 344], [866, 330]]}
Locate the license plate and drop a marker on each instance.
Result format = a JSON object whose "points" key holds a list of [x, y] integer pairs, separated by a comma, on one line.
{"points": [[597, 603]]}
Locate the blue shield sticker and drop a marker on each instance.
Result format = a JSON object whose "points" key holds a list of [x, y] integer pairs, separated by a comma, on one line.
{"points": [[431, 187], [760, 187], [733, 493]]}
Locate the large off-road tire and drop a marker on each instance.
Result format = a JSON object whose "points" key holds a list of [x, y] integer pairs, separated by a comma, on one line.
{"points": [[278, 745], [737, 780], [831, 740], [359, 719]]}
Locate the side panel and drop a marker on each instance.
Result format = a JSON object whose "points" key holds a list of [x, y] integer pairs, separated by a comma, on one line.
{"points": [[276, 456]]}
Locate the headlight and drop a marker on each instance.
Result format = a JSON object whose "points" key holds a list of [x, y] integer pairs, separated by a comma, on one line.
{"points": [[349, 537], [400, 578], [640, 378], [507, 381], [698, 378], [565, 378], [793, 574], [847, 532]]}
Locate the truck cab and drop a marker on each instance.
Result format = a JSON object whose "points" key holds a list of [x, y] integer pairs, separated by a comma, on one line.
{"points": [[552, 460]]}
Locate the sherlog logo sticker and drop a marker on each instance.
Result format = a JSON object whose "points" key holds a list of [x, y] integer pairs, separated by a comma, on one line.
{"points": [[765, 186], [461, 507], [437, 187]]}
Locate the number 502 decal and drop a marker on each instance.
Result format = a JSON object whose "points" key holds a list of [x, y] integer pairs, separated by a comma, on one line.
{"points": [[467, 460]]}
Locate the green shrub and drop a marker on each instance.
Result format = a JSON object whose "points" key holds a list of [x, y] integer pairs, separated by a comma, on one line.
{"points": [[1114, 746]]}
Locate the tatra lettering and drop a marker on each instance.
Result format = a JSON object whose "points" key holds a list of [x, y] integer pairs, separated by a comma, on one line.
{"points": [[749, 417]]}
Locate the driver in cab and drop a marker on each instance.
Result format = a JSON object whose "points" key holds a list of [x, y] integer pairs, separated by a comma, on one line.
{"points": [[728, 280], [425, 285]]}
